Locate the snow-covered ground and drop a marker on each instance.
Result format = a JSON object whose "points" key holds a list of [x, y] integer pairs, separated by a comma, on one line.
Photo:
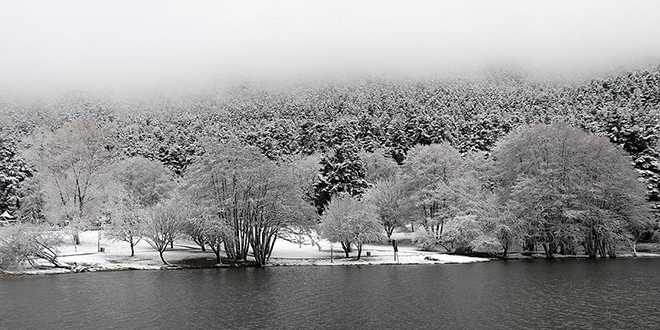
{"points": [[117, 255]]}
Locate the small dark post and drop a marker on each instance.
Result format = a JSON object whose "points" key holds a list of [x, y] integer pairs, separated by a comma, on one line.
{"points": [[396, 250], [332, 257]]}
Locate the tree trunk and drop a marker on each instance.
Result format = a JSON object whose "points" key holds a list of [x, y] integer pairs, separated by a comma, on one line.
{"points": [[548, 251], [359, 247], [217, 255], [132, 249], [216, 251], [314, 242], [160, 252], [76, 239], [529, 244], [591, 244], [602, 248], [259, 254], [200, 241], [611, 251], [389, 230], [231, 251], [346, 248]]}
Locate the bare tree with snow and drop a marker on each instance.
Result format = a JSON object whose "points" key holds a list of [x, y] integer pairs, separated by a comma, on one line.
{"points": [[74, 164], [163, 224]]}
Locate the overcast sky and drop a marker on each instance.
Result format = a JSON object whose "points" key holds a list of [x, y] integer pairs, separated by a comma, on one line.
{"points": [[135, 44]]}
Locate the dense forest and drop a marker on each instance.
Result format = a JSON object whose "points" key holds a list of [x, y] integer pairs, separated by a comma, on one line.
{"points": [[289, 122], [391, 114]]}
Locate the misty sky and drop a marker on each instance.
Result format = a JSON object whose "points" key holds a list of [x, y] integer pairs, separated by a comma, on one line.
{"points": [[134, 44]]}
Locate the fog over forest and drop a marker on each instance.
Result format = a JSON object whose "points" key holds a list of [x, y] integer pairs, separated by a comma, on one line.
{"points": [[152, 45]]}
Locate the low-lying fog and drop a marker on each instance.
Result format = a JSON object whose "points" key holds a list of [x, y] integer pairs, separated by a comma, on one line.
{"points": [[129, 45]]}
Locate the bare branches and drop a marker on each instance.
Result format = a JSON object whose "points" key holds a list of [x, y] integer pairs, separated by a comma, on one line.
{"points": [[21, 244], [349, 221], [251, 195], [164, 223], [580, 190], [74, 161]]}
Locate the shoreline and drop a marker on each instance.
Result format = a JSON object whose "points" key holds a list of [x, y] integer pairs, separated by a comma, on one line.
{"points": [[186, 255], [306, 262], [85, 256], [182, 264]]}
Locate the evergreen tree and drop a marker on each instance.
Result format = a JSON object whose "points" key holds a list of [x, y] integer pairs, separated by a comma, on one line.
{"points": [[13, 171], [31, 201], [341, 171]]}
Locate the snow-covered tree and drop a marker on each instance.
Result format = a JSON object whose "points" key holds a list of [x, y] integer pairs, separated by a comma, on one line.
{"points": [[164, 223], [139, 185], [389, 201], [215, 232], [275, 138], [29, 243], [13, 172], [506, 226], [74, 164], [571, 186], [250, 194], [434, 174], [350, 221], [123, 219], [341, 171], [32, 201], [305, 172], [146, 181], [378, 167]]}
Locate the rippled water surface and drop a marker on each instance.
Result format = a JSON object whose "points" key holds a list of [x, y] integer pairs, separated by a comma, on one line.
{"points": [[570, 294]]}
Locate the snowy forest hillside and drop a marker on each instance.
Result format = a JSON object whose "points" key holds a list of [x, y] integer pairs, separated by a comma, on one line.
{"points": [[303, 119]]}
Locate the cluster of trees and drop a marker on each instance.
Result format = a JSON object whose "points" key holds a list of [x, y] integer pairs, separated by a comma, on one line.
{"points": [[470, 114], [232, 198], [253, 198], [550, 185], [413, 153], [569, 189]]}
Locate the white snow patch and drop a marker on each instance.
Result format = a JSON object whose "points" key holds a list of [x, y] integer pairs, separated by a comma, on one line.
{"points": [[117, 255]]}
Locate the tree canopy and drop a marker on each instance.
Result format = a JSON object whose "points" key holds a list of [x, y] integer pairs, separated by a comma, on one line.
{"points": [[574, 188]]}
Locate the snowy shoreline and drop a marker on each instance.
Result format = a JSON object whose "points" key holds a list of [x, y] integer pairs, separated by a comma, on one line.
{"points": [[84, 264], [186, 255], [85, 258]]}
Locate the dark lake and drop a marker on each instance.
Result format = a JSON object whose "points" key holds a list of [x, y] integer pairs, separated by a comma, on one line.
{"points": [[568, 294]]}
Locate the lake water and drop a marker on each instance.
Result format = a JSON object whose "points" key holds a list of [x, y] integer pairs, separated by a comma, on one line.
{"points": [[569, 294]]}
